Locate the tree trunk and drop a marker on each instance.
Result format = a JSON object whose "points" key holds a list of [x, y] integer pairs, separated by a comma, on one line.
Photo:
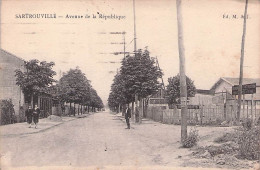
{"points": [[123, 110], [133, 112], [74, 109], [136, 109], [70, 109], [141, 111], [81, 109], [32, 100]]}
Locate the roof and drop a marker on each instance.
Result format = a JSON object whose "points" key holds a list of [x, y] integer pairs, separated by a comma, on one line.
{"points": [[235, 81], [2, 51]]}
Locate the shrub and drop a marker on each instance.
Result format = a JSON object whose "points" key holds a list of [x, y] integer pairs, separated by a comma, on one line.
{"points": [[258, 122], [191, 139], [226, 138], [247, 124], [227, 148], [7, 112], [21, 117], [249, 144]]}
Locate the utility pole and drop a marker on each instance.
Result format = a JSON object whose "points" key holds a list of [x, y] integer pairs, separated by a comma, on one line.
{"points": [[157, 64], [124, 44], [241, 65], [137, 119], [183, 86], [134, 28]]}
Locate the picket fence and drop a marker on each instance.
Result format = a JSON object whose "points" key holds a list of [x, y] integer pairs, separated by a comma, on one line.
{"points": [[206, 115]]}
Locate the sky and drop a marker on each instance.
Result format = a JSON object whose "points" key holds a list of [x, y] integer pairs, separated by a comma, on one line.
{"points": [[212, 42]]}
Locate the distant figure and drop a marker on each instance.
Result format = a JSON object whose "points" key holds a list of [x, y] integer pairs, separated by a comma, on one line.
{"points": [[29, 114], [128, 116], [36, 113]]}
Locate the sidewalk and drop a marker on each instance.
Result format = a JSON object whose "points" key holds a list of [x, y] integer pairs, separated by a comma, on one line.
{"points": [[16, 129]]}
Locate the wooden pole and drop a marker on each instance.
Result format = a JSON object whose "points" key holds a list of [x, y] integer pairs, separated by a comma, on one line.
{"points": [[134, 28], [252, 99], [124, 44], [243, 105], [241, 64], [183, 86], [255, 113], [247, 109], [135, 51]]}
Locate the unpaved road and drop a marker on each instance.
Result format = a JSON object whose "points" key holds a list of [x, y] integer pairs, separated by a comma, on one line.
{"points": [[98, 140]]}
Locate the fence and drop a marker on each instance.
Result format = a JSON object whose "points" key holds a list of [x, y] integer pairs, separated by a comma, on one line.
{"points": [[207, 115]]}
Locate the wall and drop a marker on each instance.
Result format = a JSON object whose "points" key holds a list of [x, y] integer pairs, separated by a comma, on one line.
{"points": [[223, 87], [201, 99], [8, 88]]}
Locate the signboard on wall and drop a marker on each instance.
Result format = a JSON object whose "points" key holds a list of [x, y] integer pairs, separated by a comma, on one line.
{"points": [[246, 89], [189, 106]]}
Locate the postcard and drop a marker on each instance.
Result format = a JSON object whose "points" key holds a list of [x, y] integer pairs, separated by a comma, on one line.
{"points": [[90, 84]]}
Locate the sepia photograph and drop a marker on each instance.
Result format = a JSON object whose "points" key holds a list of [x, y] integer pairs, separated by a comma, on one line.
{"points": [[129, 84]]}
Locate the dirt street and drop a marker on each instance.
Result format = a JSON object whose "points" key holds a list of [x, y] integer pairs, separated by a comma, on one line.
{"points": [[101, 140]]}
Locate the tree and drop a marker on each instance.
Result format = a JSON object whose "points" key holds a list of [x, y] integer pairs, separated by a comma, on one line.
{"points": [[173, 89], [37, 78], [118, 95], [95, 100], [140, 76], [74, 87]]}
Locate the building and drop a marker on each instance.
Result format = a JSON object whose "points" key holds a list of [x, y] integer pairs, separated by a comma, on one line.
{"points": [[202, 97], [221, 93], [8, 88], [224, 86], [219, 102]]}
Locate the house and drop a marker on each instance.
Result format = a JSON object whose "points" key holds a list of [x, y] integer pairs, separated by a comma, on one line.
{"points": [[8, 88], [224, 86], [221, 93], [219, 101]]}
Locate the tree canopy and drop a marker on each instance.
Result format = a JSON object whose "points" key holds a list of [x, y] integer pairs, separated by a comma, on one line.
{"points": [[74, 87], [37, 77], [138, 76], [173, 89], [118, 94]]}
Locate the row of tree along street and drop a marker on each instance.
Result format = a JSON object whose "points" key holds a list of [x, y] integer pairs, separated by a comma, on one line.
{"points": [[73, 87], [137, 80]]}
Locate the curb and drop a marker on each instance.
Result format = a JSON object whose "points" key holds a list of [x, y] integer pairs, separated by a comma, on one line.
{"points": [[43, 130]]}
